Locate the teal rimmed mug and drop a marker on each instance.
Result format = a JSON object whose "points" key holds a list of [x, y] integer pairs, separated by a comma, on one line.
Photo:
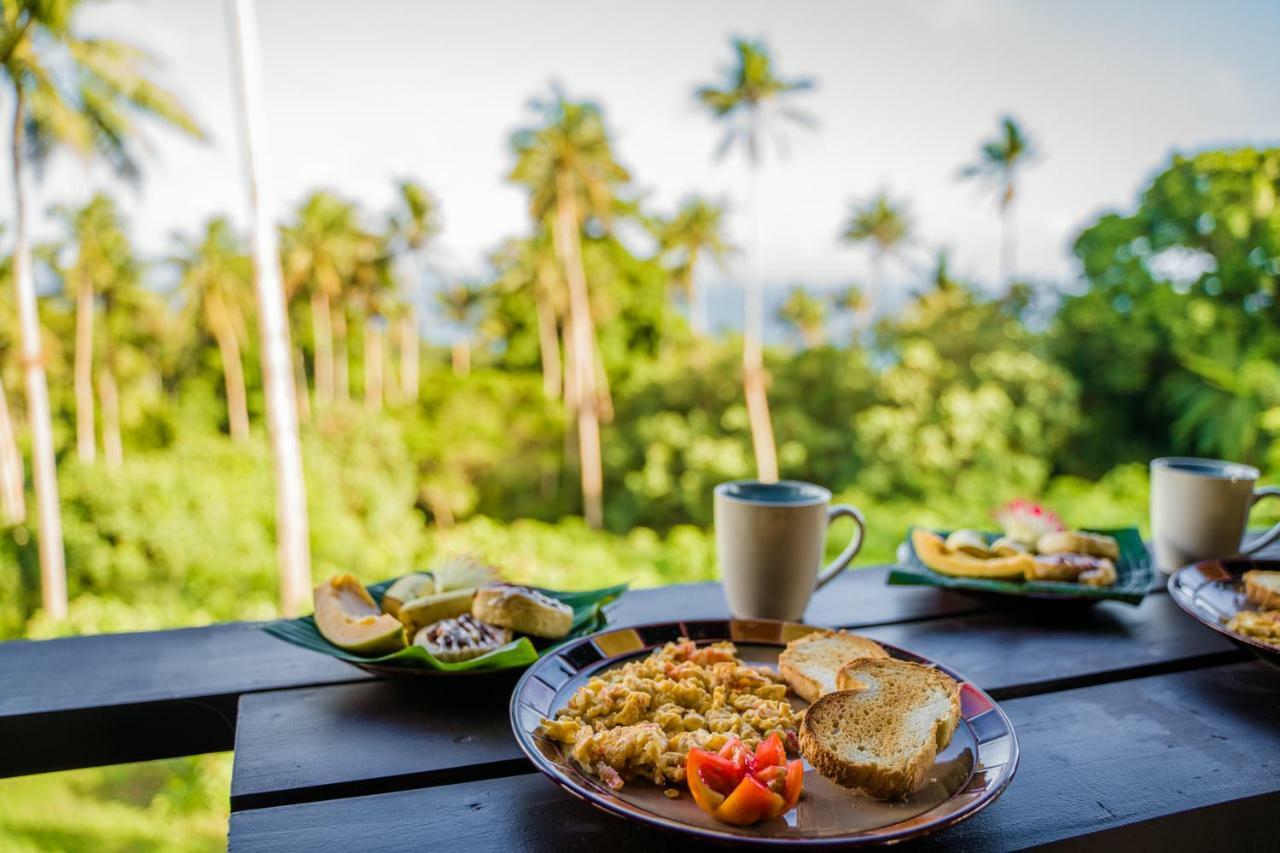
{"points": [[769, 543]]}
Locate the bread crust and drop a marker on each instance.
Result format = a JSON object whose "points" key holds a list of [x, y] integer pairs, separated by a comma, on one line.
{"points": [[1262, 588], [890, 778], [797, 667]]}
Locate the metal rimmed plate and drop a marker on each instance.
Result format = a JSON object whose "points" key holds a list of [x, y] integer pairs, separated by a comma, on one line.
{"points": [[968, 775], [1212, 592]]}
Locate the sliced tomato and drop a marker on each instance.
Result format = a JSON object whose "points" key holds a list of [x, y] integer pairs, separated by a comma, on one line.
{"points": [[718, 772], [770, 752], [736, 751], [795, 784], [704, 795], [750, 802]]}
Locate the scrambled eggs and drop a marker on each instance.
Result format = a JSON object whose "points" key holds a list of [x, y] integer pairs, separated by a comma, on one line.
{"points": [[642, 718], [1259, 625]]}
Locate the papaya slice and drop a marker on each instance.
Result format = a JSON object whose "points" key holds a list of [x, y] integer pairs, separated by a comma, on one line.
{"points": [[348, 618], [932, 551]]}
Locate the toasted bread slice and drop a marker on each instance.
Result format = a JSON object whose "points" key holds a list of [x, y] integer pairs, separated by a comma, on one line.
{"points": [[1262, 588], [883, 736], [810, 663]]}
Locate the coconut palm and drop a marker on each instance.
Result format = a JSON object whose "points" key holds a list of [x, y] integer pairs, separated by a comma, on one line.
{"points": [[753, 101], [806, 314], [697, 228], [529, 264], [566, 162], [883, 224], [322, 249], [1000, 161], [292, 528], [413, 223], [94, 241], [215, 274], [87, 94], [461, 304], [13, 506], [372, 295]]}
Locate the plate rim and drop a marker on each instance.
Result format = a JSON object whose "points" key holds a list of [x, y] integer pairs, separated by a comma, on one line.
{"points": [[523, 739], [1185, 599]]}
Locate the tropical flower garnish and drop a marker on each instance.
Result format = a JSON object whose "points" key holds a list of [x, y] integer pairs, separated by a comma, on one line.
{"points": [[1026, 521]]}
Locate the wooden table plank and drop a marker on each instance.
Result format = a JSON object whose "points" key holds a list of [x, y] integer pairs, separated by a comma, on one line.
{"points": [[380, 737], [1129, 761], [89, 701], [135, 697]]}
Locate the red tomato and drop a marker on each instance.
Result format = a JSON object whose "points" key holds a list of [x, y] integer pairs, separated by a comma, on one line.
{"points": [[770, 752], [750, 802]]}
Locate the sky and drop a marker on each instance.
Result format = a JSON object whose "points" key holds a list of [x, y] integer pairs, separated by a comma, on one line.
{"points": [[359, 94]]}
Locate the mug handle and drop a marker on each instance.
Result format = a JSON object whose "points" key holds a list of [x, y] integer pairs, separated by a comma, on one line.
{"points": [[851, 550], [1271, 535]]}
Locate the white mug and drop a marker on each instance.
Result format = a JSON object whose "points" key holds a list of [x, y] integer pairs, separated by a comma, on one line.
{"points": [[769, 543], [1200, 508]]}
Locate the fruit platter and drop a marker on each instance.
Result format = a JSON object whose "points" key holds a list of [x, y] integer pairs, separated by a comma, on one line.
{"points": [[459, 617], [1033, 555]]}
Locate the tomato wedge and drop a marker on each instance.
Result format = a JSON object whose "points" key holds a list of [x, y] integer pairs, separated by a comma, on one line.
{"points": [[750, 802], [739, 787]]}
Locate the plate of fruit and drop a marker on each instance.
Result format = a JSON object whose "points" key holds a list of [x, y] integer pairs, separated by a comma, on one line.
{"points": [[1033, 555], [459, 617]]}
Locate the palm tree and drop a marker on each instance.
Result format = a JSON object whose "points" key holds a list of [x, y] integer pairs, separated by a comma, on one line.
{"points": [[292, 534], [806, 314], [696, 228], [884, 225], [566, 162], [999, 163], [751, 101], [414, 222], [321, 252], [93, 237], [215, 275], [461, 303], [89, 95], [126, 306], [13, 505], [530, 264]]}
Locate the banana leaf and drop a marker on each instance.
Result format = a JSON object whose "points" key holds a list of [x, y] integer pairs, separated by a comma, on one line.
{"points": [[588, 617], [1135, 576]]}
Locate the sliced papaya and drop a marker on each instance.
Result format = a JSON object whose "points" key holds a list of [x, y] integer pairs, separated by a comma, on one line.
{"points": [[348, 617], [932, 551]]}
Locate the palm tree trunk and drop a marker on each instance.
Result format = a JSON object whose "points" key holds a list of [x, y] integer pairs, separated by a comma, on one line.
{"points": [[233, 378], [568, 247], [13, 505], [697, 299], [374, 359], [322, 333], [292, 533], [410, 353], [300, 385], [53, 572], [753, 376], [461, 357], [549, 348], [341, 358], [112, 446], [1006, 238], [86, 442]]}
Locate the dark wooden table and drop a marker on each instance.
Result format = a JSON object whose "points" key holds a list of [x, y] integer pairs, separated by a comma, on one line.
{"points": [[1139, 728]]}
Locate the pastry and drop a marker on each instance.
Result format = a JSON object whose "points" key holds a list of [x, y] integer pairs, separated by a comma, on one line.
{"points": [[523, 610], [1072, 567], [463, 638], [1078, 542]]}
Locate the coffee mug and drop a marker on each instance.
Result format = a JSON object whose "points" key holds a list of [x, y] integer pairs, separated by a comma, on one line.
{"points": [[1200, 508], [769, 543]]}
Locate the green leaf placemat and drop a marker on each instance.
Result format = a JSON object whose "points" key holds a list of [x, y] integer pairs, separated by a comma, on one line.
{"points": [[588, 616], [1134, 574]]}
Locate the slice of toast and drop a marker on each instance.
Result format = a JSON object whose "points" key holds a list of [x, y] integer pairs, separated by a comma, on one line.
{"points": [[884, 735], [810, 663], [1262, 588]]}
